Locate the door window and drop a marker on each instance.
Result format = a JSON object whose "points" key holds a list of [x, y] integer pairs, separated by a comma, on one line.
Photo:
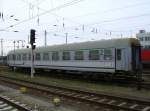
{"points": [[118, 54]]}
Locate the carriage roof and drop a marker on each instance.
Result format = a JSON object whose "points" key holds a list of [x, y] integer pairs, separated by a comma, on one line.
{"points": [[122, 42]]}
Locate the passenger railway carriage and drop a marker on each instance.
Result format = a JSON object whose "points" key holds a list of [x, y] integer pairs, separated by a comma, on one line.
{"points": [[110, 56]]}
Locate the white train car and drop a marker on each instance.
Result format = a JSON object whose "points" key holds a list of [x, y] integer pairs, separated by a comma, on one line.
{"points": [[111, 56]]}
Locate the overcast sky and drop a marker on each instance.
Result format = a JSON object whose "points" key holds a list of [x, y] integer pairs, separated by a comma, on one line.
{"points": [[83, 20]]}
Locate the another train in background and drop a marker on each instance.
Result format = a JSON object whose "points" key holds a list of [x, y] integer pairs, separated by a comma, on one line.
{"points": [[114, 56], [144, 38], [145, 54], [3, 60]]}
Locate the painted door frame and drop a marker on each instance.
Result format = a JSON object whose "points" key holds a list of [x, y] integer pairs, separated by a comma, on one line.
{"points": [[120, 59]]}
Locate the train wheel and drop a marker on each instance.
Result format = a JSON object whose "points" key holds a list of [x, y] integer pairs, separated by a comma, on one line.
{"points": [[108, 77]]}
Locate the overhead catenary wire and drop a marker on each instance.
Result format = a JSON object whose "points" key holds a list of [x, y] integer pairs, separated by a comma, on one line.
{"points": [[121, 18], [82, 24], [130, 28], [110, 30], [115, 9], [48, 11], [51, 12], [79, 23], [11, 14], [111, 20]]}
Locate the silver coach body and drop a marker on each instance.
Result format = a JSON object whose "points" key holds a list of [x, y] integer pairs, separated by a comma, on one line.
{"points": [[121, 56]]}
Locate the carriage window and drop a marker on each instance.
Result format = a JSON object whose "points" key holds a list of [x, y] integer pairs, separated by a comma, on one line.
{"points": [[29, 56], [45, 56], [11, 57], [107, 54], [18, 57], [79, 55], [66, 55], [118, 54], [7, 57], [101, 51], [14, 57], [94, 55], [24, 57], [55, 56], [37, 56]]}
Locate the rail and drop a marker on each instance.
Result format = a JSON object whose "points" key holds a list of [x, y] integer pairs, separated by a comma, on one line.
{"points": [[99, 99], [8, 104]]}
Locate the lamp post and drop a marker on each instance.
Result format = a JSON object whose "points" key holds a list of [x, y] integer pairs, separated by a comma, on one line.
{"points": [[1, 47], [14, 52], [45, 34], [66, 38], [14, 45], [32, 41]]}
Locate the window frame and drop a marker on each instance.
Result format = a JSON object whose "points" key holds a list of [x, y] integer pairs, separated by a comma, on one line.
{"points": [[108, 56], [66, 55], [45, 56], [38, 56], [119, 56], [29, 56], [94, 56], [18, 57], [24, 56], [81, 57], [55, 56]]}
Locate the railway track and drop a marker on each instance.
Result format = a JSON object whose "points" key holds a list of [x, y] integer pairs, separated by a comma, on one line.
{"points": [[146, 71], [98, 99], [8, 104]]}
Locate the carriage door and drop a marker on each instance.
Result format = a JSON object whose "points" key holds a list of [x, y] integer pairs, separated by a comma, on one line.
{"points": [[120, 59], [136, 57]]}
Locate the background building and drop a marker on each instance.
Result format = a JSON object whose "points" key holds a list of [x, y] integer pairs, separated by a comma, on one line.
{"points": [[144, 38]]}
